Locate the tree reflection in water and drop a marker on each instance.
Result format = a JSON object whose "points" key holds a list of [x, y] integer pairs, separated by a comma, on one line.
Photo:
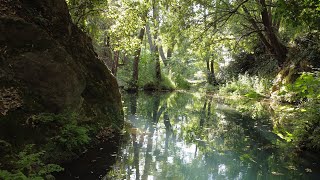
{"points": [[199, 138]]}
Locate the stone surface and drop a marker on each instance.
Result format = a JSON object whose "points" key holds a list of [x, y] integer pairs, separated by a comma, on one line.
{"points": [[52, 64]]}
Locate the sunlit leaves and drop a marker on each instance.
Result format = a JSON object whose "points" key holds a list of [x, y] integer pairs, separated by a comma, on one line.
{"points": [[306, 87], [128, 18]]}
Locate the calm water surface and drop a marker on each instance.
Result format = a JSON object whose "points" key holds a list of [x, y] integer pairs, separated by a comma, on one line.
{"points": [[183, 136]]}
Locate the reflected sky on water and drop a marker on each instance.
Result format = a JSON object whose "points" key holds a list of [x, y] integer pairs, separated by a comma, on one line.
{"points": [[182, 136]]}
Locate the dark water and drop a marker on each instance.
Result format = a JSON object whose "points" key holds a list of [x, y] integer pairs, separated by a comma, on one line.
{"points": [[184, 136]]}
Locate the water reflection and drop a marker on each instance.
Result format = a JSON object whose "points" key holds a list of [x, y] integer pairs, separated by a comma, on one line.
{"points": [[182, 136]]}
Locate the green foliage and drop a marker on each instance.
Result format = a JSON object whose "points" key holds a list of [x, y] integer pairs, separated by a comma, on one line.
{"points": [[252, 87], [252, 94], [127, 18], [73, 137], [47, 118], [307, 132], [69, 134], [301, 121], [62, 136], [306, 87], [254, 63], [304, 13], [166, 83], [299, 124], [14, 176], [182, 83], [214, 29], [146, 69], [29, 165], [147, 78], [306, 49]]}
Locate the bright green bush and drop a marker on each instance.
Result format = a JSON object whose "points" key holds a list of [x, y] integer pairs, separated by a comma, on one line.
{"points": [[182, 83], [146, 70], [166, 83], [306, 87], [147, 77], [246, 85]]}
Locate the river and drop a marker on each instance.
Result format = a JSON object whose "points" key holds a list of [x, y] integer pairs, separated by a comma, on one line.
{"points": [[185, 136]]}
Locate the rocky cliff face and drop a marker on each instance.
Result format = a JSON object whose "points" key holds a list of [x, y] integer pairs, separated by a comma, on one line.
{"points": [[48, 65]]}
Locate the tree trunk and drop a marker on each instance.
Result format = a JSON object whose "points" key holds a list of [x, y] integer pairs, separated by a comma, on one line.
{"points": [[212, 75], [210, 71], [256, 27], [163, 57], [170, 50], [135, 75], [279, 49], [150, 38], [169, 53], [153, 46], [158, 67], [156, 50], [270, 39], [115, 63]]}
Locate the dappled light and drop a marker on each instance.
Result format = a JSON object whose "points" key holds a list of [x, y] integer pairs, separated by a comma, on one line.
{"points": [[159, 89], [209, 141]]}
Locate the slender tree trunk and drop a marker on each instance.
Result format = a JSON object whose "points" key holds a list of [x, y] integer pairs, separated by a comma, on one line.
{"points": [[150, 38], [213, 76], [210, 71], [169, 53], [163, 57], [153, 46], [125, 59], [156, 50], [135, 75], [158, 67], [115, 63], [203, 114]]}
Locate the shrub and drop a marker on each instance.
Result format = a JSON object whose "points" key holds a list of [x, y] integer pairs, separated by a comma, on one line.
{"points": [[248, 86], [182, 83], [166, 83], [306, 87], [29, 165]]}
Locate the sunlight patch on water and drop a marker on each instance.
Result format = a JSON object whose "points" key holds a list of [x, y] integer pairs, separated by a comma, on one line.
{"points": [[196, 138], [222, 169], [187, 152]]}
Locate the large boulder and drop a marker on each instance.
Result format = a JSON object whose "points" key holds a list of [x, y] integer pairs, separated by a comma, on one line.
{"points": [[47, 64]]}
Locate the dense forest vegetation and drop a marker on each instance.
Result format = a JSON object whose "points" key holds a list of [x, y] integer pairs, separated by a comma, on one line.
{"points": [[255, 49], [242, 52]]}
